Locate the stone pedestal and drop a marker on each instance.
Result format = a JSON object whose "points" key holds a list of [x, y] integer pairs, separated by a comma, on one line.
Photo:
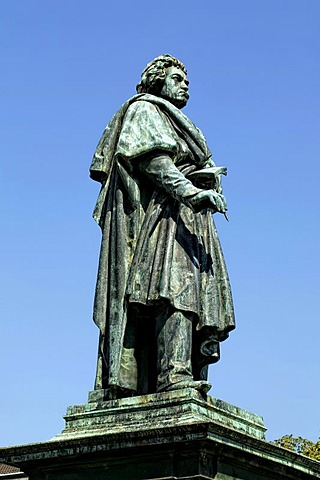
{"points": [[176, 435], [156, 411]]}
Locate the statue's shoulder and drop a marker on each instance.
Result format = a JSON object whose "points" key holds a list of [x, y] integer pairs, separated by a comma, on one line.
{"points": [[142, 109], [142, 104]]}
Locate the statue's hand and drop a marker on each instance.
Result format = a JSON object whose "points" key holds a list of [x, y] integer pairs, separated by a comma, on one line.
{"points": [[209, 199]]}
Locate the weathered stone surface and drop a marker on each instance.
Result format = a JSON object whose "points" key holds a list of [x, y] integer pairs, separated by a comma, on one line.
{"points": [[186, 444], [194, 451], [179, 407]]}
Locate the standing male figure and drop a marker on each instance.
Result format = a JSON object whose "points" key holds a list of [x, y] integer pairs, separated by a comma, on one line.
{"points": [[163, 301]]}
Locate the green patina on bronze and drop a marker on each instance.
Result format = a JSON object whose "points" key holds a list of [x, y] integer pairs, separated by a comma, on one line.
{"points": [[163, 301], [163, 304]]}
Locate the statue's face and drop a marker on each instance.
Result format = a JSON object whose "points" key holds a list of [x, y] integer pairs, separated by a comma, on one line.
{"points": [[175, 87]]}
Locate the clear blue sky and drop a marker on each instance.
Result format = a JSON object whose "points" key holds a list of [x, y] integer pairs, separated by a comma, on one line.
{"points": [[67, 66]]}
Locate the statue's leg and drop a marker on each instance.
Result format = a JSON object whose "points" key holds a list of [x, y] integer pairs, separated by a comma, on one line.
{"points": [[136, 374], [174, 346], [128, 374], [174, 351]]}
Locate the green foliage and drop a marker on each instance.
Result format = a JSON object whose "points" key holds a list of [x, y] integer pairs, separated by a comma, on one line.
{"points": [[300, 445]]}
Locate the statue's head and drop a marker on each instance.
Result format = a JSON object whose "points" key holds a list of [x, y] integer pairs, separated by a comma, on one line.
{"points": [[166, 77]]}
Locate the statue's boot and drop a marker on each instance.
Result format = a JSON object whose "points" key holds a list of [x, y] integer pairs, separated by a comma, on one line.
{"points": [[174, 343], [201, 385]]}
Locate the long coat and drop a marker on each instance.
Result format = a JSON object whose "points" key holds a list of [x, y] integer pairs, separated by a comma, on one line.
{"points": [[154, 247]]}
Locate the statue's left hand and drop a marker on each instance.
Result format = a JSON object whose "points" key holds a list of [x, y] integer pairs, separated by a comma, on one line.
{"points": [[209, 199]]}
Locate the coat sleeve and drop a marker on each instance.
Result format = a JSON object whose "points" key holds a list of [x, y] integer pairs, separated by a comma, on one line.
{"points": [[164, 174], [148, 142]]}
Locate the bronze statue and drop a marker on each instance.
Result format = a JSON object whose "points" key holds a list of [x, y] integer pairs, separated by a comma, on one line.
{"points": [[163, 301]]}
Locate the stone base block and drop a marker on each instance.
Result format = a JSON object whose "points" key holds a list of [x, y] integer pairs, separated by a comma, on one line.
{"points": [[169, 436], [176, 408]]}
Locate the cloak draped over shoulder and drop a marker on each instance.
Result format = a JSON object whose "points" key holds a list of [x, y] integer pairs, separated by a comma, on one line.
{"points": [[154, 247]]}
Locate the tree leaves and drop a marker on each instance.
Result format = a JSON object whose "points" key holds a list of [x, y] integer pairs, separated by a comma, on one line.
{"points": [[300, 445]]}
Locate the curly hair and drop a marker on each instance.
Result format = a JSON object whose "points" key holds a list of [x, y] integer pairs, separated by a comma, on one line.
{"points": [[153, 76]]}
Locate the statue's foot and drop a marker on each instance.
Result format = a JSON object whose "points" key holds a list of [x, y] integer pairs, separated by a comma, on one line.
{"points": [[201, 385], [114, 393]]}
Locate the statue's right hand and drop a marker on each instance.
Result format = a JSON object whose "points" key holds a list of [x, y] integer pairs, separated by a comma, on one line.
{"points": [[209, 199]]}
